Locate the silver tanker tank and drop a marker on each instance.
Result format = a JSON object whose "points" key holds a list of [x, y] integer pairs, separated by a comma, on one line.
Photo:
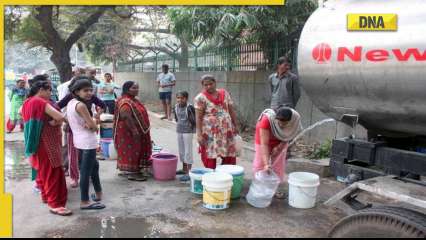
{"points": [[379, 76]]}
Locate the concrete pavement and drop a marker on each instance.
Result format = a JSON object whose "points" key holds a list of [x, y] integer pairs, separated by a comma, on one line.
{"points": [[164, 209]]}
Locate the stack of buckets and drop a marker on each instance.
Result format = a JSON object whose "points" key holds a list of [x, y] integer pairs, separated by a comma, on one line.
{"points": [[217, 190], [107, 125], [237, 173], [218, 187]]}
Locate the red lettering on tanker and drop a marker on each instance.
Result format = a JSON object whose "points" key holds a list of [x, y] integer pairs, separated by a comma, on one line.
{"points": [[377, 55], [410, 52], [322, 54], [354, 56]]}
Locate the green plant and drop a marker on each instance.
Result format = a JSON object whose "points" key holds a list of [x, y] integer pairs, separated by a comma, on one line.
{"points": [[323, 151]]}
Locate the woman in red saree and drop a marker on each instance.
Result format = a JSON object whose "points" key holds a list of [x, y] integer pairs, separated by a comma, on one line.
{"points": [[132, 137], [42, 124]]}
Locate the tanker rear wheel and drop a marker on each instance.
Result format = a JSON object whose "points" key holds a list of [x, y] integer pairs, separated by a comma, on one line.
{"points": [[381, 222]]}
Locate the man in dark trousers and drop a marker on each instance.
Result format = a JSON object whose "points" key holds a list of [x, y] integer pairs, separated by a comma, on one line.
{"points": [[285, 89]]}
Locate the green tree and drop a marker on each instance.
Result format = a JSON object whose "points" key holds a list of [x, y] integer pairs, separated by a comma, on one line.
{"points": [[155, 29], [229, 25], [56, 28], [106, 42]]}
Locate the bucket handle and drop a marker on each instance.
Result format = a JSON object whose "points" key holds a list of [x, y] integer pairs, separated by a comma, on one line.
{"points": [[307, 194]]}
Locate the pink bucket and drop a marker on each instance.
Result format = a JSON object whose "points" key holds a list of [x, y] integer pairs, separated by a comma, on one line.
{"points": [[164, 166]]}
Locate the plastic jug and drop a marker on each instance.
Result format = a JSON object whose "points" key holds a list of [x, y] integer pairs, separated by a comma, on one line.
{"points": [[239, 144], [263, 189]]}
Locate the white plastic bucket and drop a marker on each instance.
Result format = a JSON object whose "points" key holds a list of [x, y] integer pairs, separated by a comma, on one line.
{"points": [[217, 190], [105, 117], [303, 187]]}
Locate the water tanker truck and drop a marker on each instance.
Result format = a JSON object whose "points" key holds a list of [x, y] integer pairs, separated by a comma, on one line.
{"points": [[376, 79]]}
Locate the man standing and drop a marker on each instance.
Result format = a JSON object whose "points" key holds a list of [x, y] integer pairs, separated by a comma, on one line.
{"points": [[166, 81], [284, 84], [91, 75], [106, 92]]}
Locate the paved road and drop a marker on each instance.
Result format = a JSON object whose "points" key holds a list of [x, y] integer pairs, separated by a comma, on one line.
{"points": [[162, 209]]}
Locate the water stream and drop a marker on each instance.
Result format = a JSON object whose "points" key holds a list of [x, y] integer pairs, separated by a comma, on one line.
{"points": [[313, 126]]}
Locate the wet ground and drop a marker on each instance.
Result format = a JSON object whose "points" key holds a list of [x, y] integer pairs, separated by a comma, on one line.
{"points": [[159, 209], [17, 168]]}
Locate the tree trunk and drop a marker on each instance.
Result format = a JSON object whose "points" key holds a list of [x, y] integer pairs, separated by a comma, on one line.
{"points": [[184, 56], [114, 66], [61, 59], [60, 47]]}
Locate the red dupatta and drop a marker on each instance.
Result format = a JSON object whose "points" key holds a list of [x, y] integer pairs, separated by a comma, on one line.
{"points": [[219, 100]]}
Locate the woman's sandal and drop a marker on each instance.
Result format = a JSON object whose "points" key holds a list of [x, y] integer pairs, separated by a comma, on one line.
{"points": [[123, 174], [94, 206], [137, 177], [61, 211]]}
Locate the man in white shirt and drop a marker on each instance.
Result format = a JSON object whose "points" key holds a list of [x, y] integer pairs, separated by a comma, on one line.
{"points": [[63, 88], [166, 81]]}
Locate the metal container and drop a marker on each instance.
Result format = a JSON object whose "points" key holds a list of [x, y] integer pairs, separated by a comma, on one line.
{"points": [[379, 76]]}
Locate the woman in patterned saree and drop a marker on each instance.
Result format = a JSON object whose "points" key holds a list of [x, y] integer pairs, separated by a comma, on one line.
{"points": [[132, 137], [42, 144], [216, 124]]}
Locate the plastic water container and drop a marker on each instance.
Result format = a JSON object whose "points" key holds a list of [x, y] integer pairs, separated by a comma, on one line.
{"points": [[217, 190], [303, 187], [164, 166], [239, 144], [113, 155], [196, 175], [106, 133], [105, 143], [105, 117], [263, 189], [237, 173]]}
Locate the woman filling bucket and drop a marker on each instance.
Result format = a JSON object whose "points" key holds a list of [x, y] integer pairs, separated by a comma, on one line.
{"points": [[275, 128]]}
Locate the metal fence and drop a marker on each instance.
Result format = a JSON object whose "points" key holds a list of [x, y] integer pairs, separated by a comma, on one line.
{"points": [[246, 57]]}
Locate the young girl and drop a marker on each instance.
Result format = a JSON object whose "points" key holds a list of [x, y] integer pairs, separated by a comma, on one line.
{"points": [[185, 118], [84, 130]]}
